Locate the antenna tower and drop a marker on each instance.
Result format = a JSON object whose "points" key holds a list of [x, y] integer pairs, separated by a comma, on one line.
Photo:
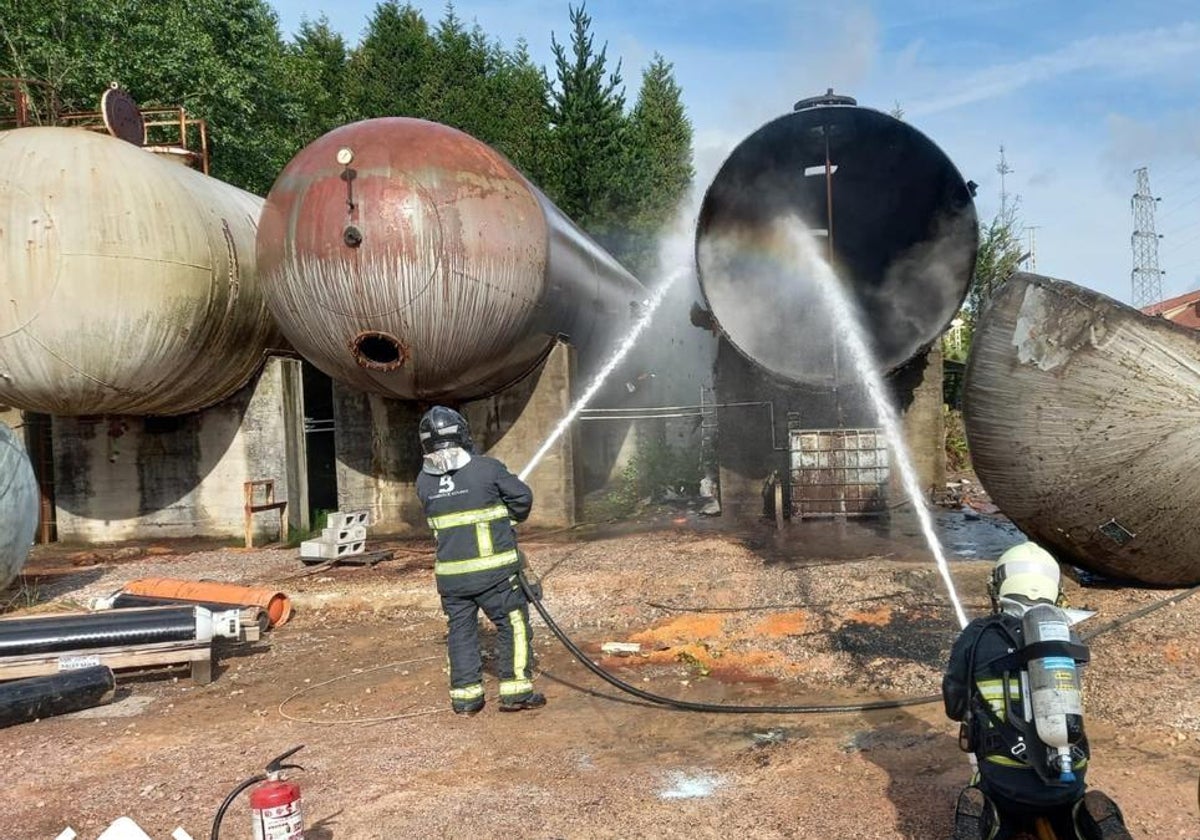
{"points": [[1147, 279], [1031, 263], [1003, 168]]}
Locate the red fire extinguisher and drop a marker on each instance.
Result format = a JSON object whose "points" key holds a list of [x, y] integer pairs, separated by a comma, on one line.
{"points": [[274, 804]]}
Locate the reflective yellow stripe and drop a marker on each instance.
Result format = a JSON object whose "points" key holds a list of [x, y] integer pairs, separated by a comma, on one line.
{"points": [[520, 645], [510, 687], [477, 564], [468, 517], [1005, 761], [483, 536], [468, 692]]}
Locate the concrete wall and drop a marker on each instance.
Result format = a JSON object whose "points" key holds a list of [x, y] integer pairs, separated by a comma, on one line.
{"points": [[749, 447], [379, 454], [122, 478], [378, 458], [669, 365], [513, 425]]}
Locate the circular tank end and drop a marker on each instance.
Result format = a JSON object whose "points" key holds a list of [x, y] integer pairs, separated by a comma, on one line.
{"points": [[378, 351]]}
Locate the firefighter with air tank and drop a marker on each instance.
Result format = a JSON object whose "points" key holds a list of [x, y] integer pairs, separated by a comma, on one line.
{"points": [[1013, 681]]}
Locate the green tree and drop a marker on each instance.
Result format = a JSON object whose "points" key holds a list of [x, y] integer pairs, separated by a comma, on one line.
{"points": [[659, 150], [220, 59], [387, 69], [454, 89], [1000, 255], [589, 131], [316, 63], [519, 94]]}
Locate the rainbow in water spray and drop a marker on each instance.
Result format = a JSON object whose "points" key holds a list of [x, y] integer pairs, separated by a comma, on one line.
{"points": [[598, 380], [849, 328]]}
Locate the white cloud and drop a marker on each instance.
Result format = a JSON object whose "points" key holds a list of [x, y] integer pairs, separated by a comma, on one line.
{"points": [[1127, 54]]}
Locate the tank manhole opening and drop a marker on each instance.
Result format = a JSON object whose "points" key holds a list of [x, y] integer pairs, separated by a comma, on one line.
{"points": [[378, 351]]}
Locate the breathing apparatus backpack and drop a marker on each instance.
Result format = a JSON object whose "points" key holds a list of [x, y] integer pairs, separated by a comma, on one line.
{"points": [[1047, 733]]}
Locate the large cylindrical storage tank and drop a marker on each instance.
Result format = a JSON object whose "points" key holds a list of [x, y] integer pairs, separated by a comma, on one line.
{"points": [[128, 281], [879, 201], [18, 506], [1083, 422], [406, 258]]}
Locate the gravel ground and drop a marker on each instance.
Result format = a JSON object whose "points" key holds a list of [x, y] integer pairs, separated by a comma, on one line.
{"points": [[747, 617]]}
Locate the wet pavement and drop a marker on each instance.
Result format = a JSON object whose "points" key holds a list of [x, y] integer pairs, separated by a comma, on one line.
{"points": [[964, 535]]}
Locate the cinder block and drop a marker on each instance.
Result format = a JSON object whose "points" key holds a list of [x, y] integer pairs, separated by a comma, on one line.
{"points": [[348, 519], [354, 533], [331, 551]]}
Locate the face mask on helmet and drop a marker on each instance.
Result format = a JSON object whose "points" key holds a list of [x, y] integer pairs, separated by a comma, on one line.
{"points": [[442, 428], [1024, 575]]}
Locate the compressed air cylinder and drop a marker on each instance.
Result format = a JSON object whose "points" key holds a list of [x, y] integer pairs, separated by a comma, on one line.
{"points": [[1055, 691]]}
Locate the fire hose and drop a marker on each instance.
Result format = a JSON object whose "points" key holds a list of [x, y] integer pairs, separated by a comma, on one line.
{"points": [[533, 594]]}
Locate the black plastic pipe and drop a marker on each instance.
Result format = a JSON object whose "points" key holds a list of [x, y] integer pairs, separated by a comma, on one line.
{"points": [[47, 634], [67, 691]]}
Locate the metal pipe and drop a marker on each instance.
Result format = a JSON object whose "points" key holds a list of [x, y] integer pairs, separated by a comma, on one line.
{"points": [[80, 631], [35, 698], [906, 243], [277, 605]]}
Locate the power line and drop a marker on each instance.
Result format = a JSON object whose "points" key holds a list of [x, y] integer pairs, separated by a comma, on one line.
{"points": [[1146, 276]]}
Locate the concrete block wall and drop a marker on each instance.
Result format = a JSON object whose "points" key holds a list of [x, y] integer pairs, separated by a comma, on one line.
{"points": [[123, 478]]}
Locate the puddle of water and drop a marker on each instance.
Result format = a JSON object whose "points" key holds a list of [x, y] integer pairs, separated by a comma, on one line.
{"points": [[693, 785], [966, 536]]}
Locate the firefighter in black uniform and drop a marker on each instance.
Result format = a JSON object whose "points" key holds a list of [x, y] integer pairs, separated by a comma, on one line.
{"points": [[1007, 793], [472, 502]]}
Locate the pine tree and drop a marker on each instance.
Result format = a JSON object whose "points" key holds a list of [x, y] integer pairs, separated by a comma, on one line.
{"points": [[317, 65], [519, 92], [588, 131], [661, 147], [387, 69]]}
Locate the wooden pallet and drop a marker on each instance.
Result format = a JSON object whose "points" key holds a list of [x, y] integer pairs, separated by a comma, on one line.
{"points": [[197, 655]]}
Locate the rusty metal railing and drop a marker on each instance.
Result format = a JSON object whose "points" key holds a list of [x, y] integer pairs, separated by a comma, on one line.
{"points": [[27, 102]]}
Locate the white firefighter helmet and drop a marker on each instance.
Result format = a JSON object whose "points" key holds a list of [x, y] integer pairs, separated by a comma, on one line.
{"points": [[1026, 573]]}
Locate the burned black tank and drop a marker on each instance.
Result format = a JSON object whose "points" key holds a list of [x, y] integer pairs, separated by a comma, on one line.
{"points": [[877, 199]]}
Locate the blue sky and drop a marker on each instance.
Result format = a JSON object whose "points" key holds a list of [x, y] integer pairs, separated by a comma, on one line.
{"points": [[1079, 93]]}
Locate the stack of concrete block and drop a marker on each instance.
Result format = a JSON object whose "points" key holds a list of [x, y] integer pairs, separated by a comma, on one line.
{"points": [[344, 535]]}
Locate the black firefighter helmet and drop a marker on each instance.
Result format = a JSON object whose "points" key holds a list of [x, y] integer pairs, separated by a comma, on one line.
{"points": [[442, 428]]}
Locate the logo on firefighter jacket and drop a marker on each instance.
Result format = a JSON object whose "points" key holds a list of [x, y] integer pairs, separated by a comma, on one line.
{"points": [[446, 484]]}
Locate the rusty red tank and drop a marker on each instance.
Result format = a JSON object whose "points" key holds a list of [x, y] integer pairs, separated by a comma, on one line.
{"points": [[409, 259]]}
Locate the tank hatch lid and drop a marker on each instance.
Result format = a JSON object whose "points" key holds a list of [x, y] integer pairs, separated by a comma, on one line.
{"points": [[827, 98], [122, 117]]}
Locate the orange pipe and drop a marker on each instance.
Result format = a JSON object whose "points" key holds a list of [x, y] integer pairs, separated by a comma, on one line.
{"points": [[276, 604]]}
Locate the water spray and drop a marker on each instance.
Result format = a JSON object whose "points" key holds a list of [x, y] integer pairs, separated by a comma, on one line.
{"points": [[602, 375], [850, 331]]}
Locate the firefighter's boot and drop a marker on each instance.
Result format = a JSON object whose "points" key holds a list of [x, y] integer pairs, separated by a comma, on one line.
{"points": [[531, 701], [968, 815]]}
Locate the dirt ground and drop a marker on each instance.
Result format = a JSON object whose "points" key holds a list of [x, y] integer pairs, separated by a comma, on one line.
{"points": [[815, 614]]}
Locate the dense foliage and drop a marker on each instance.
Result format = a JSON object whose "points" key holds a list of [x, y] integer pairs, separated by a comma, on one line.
{"points": [[619, 172]]}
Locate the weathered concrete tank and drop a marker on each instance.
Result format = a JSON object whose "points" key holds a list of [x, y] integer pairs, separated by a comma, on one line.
{"points": [[18, 506], [409, 259], [1083, 419], [888, 208], [128, 281]]}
